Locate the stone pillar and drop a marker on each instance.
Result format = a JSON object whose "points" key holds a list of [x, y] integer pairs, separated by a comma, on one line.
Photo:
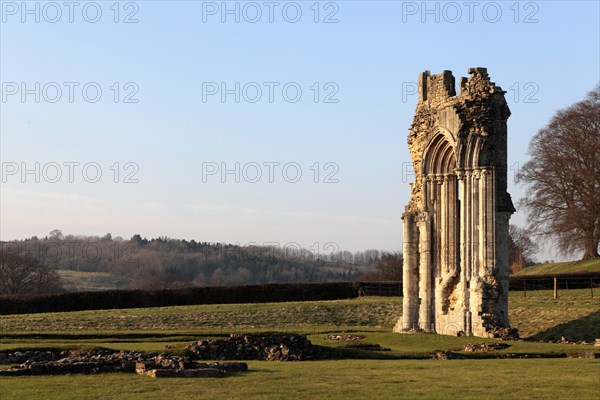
{"points": [[476, 223], [465, 244], [410, 275], [443, 228], [453, 223], [490, 217], [441, 278], [425, 292], [468, 226]]}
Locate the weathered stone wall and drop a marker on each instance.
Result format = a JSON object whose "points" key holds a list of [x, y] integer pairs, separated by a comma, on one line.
{"points": [[456, 222]]}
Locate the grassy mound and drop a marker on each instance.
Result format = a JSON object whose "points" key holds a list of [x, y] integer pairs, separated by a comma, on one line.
{"points": [[562, 268]]}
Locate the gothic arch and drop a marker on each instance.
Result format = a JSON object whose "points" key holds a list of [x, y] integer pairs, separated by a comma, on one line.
{"points": [[441, 189], [439, 156], [472, 152]]}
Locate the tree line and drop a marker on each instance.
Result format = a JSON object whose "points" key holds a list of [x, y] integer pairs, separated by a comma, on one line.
{"points": [[161, 263]]}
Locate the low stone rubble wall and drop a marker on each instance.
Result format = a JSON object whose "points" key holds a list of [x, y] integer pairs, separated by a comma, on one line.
{"points": [[274, 347], [102, 361], [277, 347], [483, 347], [168, 368], [19, 357], [259, 347], [73, 362]]}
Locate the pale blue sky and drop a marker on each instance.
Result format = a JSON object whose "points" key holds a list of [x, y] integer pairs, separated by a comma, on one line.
{"points": [[372, 52]]}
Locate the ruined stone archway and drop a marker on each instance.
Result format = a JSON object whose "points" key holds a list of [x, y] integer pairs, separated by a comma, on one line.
{"points": [[456, 223]]}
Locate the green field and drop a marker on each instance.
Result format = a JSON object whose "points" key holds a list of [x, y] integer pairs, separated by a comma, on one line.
{"points": [[74, 281], [333, 380], [574, 315], [402, 372], [562, 268]]}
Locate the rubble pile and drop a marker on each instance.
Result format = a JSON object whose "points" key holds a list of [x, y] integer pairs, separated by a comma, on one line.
{"points": [[481, 347], [499, 332], [344, 337], [277, 347]]}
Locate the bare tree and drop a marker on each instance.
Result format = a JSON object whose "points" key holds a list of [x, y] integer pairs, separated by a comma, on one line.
{"points": [[563, 178], [56, 234], [521, 248], [22, 275]]}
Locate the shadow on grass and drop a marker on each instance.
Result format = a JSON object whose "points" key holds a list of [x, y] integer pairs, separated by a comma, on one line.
{"points": [[586, 328]]}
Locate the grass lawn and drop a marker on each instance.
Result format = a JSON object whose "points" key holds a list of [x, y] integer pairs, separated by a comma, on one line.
{"points": [[345, 379], [562, 268], [574, 315], [366, 311], [402, 346], [372, 375]]}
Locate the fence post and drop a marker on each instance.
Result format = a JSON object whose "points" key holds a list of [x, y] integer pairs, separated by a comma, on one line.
{"points": [[592, 287], [524, 288], [555, 289]]}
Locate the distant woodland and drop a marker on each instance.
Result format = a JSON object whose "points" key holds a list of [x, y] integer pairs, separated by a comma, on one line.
{"points": [[170, 263]]}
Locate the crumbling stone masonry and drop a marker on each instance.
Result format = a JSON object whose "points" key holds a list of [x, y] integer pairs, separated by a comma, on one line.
{"points": [[456, 222]]}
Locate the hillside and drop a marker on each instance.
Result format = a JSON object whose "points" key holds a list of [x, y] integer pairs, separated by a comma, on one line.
{"points": [[74, 281], [562, 268], [169, 263]]}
